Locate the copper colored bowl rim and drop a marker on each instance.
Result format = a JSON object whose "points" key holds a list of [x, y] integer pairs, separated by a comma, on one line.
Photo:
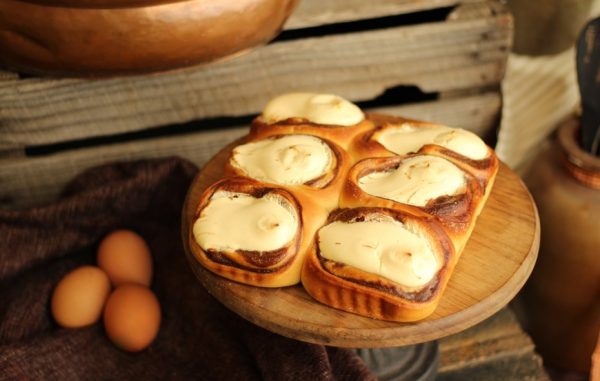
{"points": [[105, 4], [100, 42]]}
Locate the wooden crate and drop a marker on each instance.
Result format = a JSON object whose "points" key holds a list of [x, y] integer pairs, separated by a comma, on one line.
{"points": [[496, 349], [438, 60]]}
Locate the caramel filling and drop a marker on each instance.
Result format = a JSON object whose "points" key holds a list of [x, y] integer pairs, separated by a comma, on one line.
{"points": [[386, 248], [237, 221], [407, 138], [286, 160], [416, 181], [316, 108]]}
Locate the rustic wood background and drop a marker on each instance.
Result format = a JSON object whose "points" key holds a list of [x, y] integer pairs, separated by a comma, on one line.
{"points": [[453, 51], [495, 350]]}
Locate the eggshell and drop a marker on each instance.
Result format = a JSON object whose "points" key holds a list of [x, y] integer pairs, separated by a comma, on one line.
{"points": [[125, 257], [79, 297], [132, 317]]}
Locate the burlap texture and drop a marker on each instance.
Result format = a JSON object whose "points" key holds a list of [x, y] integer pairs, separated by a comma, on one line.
{"points": [[198, 338]]}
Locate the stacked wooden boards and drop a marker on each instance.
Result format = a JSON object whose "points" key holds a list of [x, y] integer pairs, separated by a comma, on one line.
{"points": [[438, 60], [496, 349]]}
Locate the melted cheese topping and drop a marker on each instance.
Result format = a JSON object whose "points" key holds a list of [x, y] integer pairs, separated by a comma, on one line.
{"points": [[384, 248], [416, 181], [317, 108], [238, 221], [408, 138], [288, 160]]}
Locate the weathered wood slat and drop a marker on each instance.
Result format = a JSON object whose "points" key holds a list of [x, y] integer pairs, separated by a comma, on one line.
{"points": [[313, 13], [29, 181], [465, 53], [470, 23], [7, 76], [466, 12], [36, 180], [495, 350], [477, 113], [411, 59]]}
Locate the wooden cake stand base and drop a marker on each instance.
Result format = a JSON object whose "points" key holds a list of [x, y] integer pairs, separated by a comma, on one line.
{"points": [[494, 266]]}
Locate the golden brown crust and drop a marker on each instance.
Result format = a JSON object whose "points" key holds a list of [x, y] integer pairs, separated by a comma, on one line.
{"points": [[366, 145], [325, 190], [456, 213], [275, 268], [341, 135], [350, 289]]}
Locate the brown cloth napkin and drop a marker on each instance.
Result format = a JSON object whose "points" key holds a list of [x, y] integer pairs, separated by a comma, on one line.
{"points": [[198, 338]]}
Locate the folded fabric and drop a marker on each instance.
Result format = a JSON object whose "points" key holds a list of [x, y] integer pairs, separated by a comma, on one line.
{"points": [[198, 338]]}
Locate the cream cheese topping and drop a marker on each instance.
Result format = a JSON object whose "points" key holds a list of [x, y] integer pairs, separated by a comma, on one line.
{"points": [[407, 138], [287, 160], [464, 142], [238, 221], [416, 181], [317, 108], [385, 248]]}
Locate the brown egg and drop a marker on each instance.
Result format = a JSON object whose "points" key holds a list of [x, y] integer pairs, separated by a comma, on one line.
{"points": [[132, 317], [79, 297], [125, 257]]}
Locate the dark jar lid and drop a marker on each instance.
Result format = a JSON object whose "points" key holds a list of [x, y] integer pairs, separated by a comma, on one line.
{"points": [[581, 165]]}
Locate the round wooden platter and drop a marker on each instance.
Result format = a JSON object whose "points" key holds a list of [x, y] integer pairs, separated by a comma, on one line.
{"points": [[495, 264]]}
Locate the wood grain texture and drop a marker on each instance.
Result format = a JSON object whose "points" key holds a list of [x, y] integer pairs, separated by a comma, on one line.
{"points": [[494, 265], [496, 349], [466, 52], [408, 363], [474, 112], [32, 181], [27, 182], [314, 13]]}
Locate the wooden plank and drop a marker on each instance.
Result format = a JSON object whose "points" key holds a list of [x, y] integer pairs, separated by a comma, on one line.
{"points": [[496, 349], [479, 22], [313, 13], [478, 112], [458, 54], [32, 181], [7, 77]]}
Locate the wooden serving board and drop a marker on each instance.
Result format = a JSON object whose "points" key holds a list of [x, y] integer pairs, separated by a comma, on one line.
{"points": [[495, 264]]}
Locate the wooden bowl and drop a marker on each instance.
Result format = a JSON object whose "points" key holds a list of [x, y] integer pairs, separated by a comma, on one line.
{"points": [[110, 37]]}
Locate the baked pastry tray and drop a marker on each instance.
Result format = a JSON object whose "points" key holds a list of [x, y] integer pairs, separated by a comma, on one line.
{"points": [[495, 264]]}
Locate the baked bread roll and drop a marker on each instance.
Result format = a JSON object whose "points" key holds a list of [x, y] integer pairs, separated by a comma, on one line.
{"points": [[381, 263], [483, 170], [301, 163], [252, 232], [394, 202], [418, 184], [401, 136], [325, 115], [366, 144]]}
